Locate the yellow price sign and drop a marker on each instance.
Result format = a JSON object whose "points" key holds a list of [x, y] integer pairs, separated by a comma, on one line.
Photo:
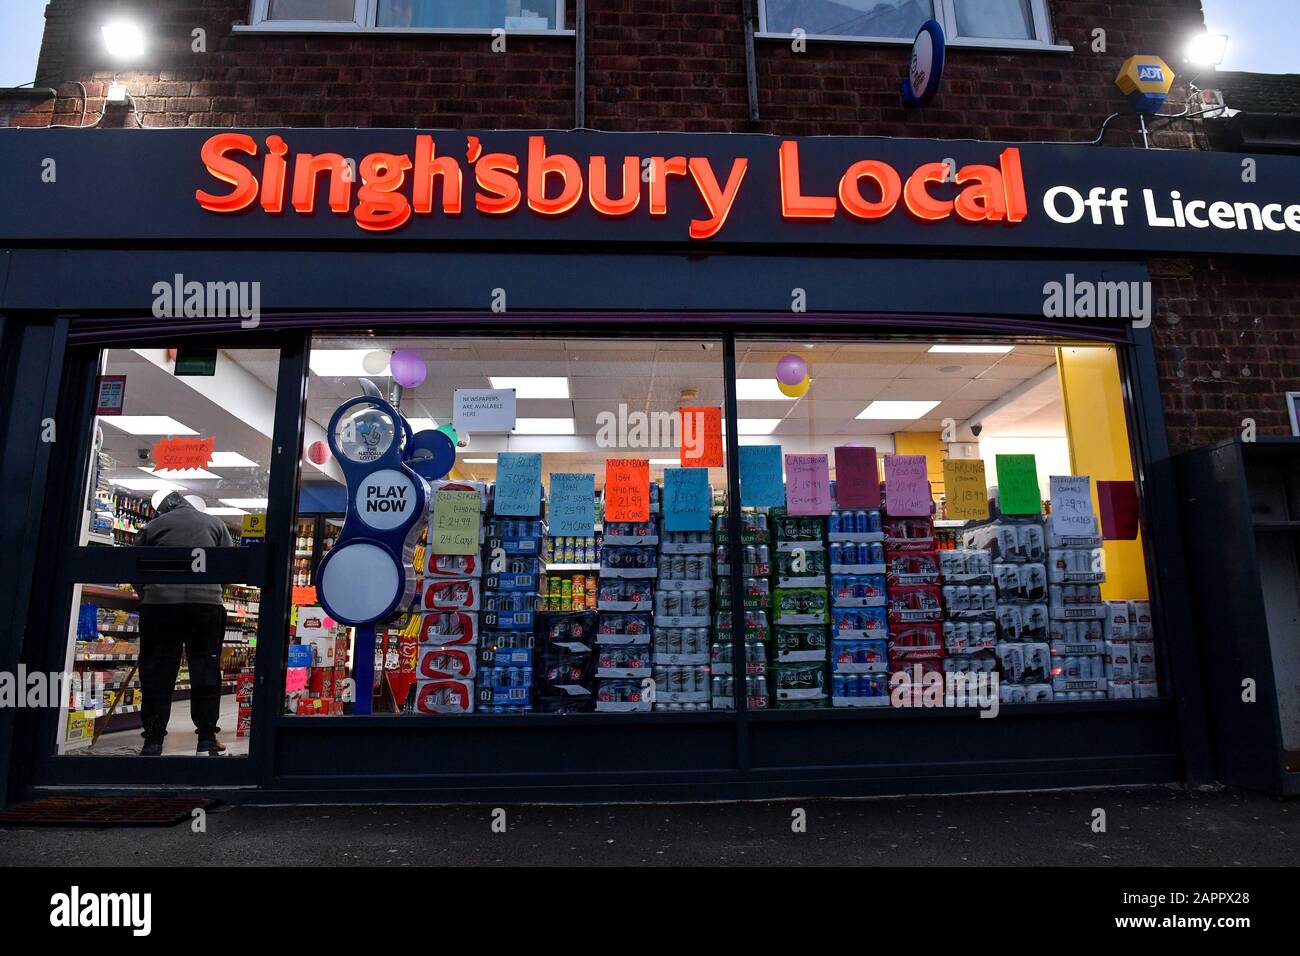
{"points": [[965, 489], [455, 525], [253, 526]]}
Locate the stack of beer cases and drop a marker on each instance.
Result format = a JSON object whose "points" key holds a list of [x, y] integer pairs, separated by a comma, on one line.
{"points": [[802, 607], [511, 581], [1130, 650], [859, 627], [1075, 571], [625, 611], [970, 630], [1017, 552], [915, 604], [754, 554], [450, 603], [683, 595]]}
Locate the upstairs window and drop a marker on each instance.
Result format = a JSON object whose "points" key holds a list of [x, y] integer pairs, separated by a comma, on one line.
{"points": [[396, 16], [1000, 23]]}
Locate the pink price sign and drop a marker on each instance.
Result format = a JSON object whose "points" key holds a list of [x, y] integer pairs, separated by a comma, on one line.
{"points": [[807, 485], [907, 487]]}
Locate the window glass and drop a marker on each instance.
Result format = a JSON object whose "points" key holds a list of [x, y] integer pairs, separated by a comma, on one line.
{"points": [[912, 601], [336, 10], [483, 14], [178, 673], [862, 18], [206, 436], [182, 461], [995, 19], [591, 588]]}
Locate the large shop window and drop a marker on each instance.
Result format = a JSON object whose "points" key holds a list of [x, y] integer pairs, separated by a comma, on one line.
{"points": [[971, 22], [921, 524], [181, 463], [894, 587], [584, 577], [450, 15]]}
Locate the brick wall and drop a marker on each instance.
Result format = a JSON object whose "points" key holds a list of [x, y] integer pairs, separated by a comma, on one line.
{"points": [[1227, 345], [1226, 330], [651, 65]]}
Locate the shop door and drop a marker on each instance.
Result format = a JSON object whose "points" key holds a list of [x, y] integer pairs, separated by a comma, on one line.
{"points": [[169, 580]]}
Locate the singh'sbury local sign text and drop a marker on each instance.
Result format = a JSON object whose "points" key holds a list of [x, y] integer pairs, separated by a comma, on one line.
{"points": [[671, 189]]}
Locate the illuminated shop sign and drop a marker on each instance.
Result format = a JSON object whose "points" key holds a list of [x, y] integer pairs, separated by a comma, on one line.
{"points": [[681, 190], [551, 184]]}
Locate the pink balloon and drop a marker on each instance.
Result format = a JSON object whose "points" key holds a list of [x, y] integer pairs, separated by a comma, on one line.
{"points": [[791, 370], [408, 368], [318, 453]]}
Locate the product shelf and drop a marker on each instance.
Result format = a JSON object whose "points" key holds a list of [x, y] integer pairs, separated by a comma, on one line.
{"points": [[104, 593]]}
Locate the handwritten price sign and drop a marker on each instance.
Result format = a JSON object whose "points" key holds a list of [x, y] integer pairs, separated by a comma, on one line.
{"points": [[965, 488], [455, 525], [627, 489], [807, 485]]}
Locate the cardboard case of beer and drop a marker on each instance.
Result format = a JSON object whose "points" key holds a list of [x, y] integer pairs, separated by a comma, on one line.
{"points": [[457, 594], [447, 663], [453, 566], [449, 628], [444, 696]]}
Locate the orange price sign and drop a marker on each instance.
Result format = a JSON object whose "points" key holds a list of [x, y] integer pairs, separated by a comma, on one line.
{"points": [[627, 489], [701, 437]]}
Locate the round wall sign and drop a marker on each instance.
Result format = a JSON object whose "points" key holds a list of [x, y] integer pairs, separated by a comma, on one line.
{"points": [[925, 70]]}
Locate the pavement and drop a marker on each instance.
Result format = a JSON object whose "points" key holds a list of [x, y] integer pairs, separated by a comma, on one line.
{"points": [[1143, 827]]}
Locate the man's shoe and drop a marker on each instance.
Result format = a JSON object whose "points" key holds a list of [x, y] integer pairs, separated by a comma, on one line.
{"points": [[211, 746], [153, 749]]}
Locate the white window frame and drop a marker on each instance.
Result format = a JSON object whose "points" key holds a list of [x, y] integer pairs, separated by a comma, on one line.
{"points": [[366, 15], [945, 12]]}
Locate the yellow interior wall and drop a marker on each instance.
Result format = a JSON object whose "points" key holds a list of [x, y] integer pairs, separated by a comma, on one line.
{"points": [[1099, 447], [931, 446]]}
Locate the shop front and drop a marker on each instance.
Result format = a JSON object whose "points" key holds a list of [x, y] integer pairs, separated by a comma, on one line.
{"points": [[776, 467]]}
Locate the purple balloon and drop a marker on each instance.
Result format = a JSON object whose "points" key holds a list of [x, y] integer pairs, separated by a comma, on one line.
{"points": [[408, 368], [791, 370]]}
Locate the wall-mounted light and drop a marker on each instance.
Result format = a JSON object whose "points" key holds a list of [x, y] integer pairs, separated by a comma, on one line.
{"points": [[124, 39], [1206, 49]]}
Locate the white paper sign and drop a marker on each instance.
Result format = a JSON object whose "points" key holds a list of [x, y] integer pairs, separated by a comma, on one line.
{"points": [[1071, 504], [483, 410]]}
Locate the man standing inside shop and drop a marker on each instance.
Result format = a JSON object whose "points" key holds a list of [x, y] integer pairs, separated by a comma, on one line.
{"points": [[176, 617]]}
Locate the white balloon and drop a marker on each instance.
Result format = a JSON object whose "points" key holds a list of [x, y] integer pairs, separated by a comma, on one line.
{"points": [[197, 502], [376, 362]]}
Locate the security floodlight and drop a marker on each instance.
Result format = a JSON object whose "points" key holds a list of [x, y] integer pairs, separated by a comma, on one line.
{"points": [[123, 39], [1206, 49]]}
